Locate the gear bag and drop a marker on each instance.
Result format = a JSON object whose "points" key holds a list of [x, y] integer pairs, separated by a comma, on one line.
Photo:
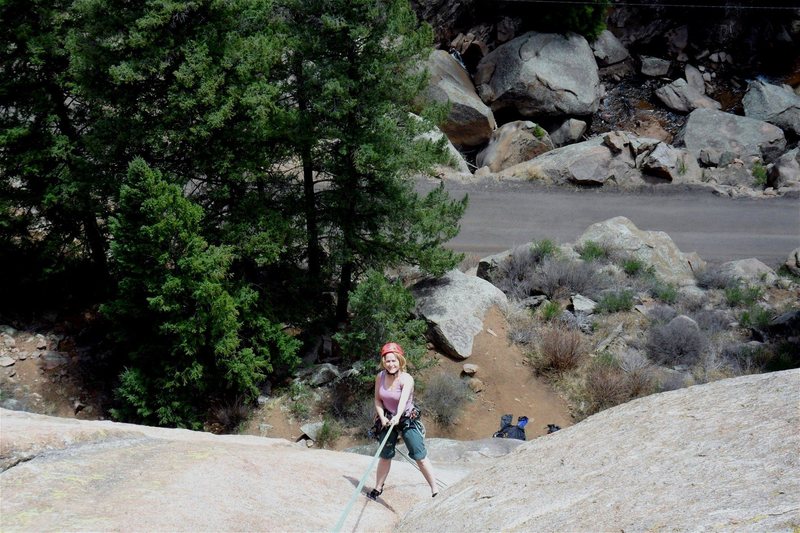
{"points": [[511, 431]]}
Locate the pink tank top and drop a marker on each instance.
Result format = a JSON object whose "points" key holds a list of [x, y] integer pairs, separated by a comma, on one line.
{"points": [[391, 397]]}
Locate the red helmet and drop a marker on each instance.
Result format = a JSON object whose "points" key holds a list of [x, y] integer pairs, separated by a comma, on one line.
{"points": [[392, 347]]}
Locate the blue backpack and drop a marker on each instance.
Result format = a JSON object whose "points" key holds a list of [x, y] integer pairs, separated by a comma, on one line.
{"points": [[510, 431]]}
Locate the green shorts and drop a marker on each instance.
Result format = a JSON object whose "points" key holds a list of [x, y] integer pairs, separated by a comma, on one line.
{"points": [[412, 436]]}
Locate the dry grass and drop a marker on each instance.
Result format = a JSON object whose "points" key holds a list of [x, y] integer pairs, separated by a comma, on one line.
{"points": [[560, 350]]}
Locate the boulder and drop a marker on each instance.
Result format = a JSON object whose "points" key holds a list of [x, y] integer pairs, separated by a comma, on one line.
{"points": [[708, 134], [63, 474], [785, 172], [514, 143], [541, 74], [568, 132], [582, 304], [608, 50], [319, 375], [672, 164], [454, 307], [793, 262], [652, 247], [470, 122], [585, 163], [720, 456], [695, 78], [682, 97], [750, 271], [654, 66], [776, 104]]}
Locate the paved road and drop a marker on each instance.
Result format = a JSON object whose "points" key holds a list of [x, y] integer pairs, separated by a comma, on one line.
{"points": [[502, 215]]}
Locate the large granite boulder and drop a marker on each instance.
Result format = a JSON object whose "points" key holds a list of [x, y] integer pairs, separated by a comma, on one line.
{"points": [[672, 164], [514, 143], [63, 474], [785, 172], [608, 50], [793, 262], [713, 136], [680, 96], [715, 457], [541, 74], [651, 247], [454, 307], [776, 104], [749, 271], [470, 122]]}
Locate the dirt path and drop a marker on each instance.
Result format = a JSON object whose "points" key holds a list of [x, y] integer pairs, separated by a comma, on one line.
{"points": [[509, 388]]}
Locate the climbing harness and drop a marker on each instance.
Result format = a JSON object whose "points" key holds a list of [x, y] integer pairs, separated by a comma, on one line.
{"points": [[349, 506]]}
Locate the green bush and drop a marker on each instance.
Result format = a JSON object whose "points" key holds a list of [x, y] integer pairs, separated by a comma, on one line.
{"points": [[445, 397], [329, 433], [544, 248], [759, 175], [755, 317], [743, 296], [636, 267], [300, 400], [665, 292], [186, 332], [382, 311], [587, 19], [594, 251], [615, 301], [550, 310]]}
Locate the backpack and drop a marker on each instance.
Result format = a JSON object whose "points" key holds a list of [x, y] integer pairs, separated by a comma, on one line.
{"points": [[509, 431]]}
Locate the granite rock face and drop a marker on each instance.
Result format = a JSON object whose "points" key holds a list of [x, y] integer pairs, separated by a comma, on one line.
{"points": [[716, 457]]}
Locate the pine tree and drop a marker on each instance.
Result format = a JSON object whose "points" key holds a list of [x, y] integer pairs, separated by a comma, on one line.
{"points": [[191, 332], [360, 72]]}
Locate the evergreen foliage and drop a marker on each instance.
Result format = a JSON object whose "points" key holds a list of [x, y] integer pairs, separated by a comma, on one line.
{"points": [[381, 311], [190, 332], [587, 19], [222, 166]]}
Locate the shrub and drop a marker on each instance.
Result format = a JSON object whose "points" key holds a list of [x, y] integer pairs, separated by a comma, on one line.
{"points": [[329, 433], [513, 275], [549, 311], [665, 292], [594, 251], [300, 400], [349, 393], [588, 19], [615, 301], [228, 417], [713, 279], [521, 326], [445, 397], [737, 295], [380, 311], [678, 343], [560, 349], [661, 314], [606, 386], [755, 317], [636, 267], [712, 320], [544, 248], [560, 277], [759, 175]]}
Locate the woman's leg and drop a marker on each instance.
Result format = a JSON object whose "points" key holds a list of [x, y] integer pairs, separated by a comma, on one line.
{"points": [[427, 470], [384, 465]]}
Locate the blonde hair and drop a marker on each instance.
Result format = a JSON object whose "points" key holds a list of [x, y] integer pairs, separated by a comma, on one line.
{"points": [[400, 359]]}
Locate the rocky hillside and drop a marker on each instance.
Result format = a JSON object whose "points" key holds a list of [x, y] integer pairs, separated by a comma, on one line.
{"points": [[663, 96], [717, 456]]}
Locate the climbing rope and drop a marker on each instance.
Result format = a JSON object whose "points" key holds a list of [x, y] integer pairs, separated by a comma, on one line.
{"points": [[346, 511], [442, 484]]}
